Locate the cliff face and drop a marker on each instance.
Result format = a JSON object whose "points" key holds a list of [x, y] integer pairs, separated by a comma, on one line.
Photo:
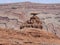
{"points": [[13, 15]]}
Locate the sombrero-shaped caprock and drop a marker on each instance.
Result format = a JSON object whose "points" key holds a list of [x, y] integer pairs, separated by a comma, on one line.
{"points": [[34, 13]]}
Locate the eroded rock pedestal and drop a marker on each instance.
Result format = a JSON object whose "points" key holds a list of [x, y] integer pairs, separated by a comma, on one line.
{"points": [[33, 22]]}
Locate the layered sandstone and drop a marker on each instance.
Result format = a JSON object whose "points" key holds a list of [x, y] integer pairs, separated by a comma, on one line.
{"points": [[33, 22], [28, 36]]}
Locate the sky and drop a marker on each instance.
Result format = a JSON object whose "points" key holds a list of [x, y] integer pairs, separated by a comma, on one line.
{"points": [[37, 1]]}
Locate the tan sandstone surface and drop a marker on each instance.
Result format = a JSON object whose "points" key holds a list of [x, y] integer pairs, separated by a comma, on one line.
{"points": [[27, 36]]}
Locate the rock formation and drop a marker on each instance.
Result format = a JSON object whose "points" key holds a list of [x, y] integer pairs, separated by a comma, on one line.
{"points": [[34, 22], [49, 14], [19, 25], [27, 36]]}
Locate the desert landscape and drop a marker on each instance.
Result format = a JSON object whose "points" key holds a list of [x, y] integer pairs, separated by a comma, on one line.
{"points": [[28, 23]]}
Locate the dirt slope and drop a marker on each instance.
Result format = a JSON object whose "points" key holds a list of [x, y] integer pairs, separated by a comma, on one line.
{"points": [[27, 36]]}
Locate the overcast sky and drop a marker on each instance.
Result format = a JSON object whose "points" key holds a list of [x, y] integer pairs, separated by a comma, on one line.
{"points": [[38, 1]]}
